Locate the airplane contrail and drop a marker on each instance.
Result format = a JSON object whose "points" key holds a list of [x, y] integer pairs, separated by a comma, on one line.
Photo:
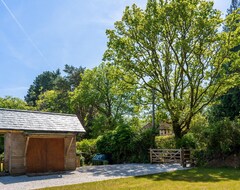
{"points": [[23, 30]]}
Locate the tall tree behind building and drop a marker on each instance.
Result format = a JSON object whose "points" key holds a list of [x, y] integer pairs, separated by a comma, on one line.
{"points": [[228, 105]]}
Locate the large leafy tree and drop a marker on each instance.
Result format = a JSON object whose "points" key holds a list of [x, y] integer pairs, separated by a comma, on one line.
{"points": [[57, 99], [175, 48], [102, 99], [50, 90], [73, 75], [41, 84], [54, 101]]}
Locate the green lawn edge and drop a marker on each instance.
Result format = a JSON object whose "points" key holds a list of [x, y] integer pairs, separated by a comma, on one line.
{"points": [[196, 178]]}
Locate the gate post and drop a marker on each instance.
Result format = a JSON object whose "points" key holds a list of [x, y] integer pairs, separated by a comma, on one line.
{"points": [[184, 164], [182, 158], [150, 155]]}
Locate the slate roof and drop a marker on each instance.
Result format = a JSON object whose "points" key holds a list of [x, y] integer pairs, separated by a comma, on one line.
{"points": [[38, 121]]}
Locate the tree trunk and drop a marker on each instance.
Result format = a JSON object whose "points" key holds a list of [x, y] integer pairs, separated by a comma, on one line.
{"points": [[177, 129]]}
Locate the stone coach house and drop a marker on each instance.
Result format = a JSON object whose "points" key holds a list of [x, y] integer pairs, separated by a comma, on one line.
{"points": [[38, 142]]}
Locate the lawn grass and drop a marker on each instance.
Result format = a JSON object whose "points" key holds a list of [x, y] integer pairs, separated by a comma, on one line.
{"points": [[197, 178]]}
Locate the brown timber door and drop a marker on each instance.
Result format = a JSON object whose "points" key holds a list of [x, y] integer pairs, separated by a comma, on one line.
{"points": [[45, 155]]}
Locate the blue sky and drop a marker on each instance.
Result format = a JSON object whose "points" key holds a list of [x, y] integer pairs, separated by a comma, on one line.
{"points": [[43, 35]]}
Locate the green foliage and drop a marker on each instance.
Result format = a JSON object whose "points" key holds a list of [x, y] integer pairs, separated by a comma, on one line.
{"points": [[50, 90], [167, 47], [102, 99], [87, 149], [228, 105], [13, 103], [54, 101], [199, 130], [73, 76], [234, 6], [126, 145], [117, 143], [168, 142], [41, 84], [188, 141], [99, 125], [2, 156], [223, 137], [214, 140], [140, 145]]}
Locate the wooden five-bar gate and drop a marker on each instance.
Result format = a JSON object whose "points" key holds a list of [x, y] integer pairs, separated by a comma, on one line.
{"points": [[182, 156]]}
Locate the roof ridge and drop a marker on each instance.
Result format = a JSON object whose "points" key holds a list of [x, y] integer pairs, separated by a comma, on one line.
{"points": [[37, 112]]}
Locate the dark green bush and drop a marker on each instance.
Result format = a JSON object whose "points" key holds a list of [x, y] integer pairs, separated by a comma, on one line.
{"points": [[140, 145], [117, 143], [224, 137], [216, 140], [188, 141], [126, 145]]}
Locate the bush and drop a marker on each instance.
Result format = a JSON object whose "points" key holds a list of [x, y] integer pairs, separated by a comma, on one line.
{"points": [[126, 145], [140, 145], [200, 130], [167, 142], [188, 141], [87, 149], [215, 140], [224, 137], [117, 143]]}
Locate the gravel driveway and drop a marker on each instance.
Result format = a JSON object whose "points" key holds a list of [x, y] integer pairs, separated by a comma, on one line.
{"points": [[84, 174]]}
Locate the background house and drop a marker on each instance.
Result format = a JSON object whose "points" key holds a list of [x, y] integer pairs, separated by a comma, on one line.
{"points": [[163, 128], [37, 142]]}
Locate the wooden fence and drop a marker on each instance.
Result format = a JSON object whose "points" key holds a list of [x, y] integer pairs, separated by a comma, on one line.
{"points": [[182, 156]]}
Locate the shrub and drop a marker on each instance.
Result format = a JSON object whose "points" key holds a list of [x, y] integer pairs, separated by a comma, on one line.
{"points": [[224, 137], [188, 141], [167, 142], [87, 149], [200, 130], [117, 143], [215, 140], [126, 145], [140, 145]]}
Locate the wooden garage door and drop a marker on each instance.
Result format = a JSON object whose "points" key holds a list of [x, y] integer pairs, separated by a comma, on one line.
{"points": [[45, 155]]}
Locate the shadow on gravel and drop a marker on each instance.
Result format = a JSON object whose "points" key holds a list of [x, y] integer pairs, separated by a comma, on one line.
{"points": [[96, 172], [124, 170]]}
